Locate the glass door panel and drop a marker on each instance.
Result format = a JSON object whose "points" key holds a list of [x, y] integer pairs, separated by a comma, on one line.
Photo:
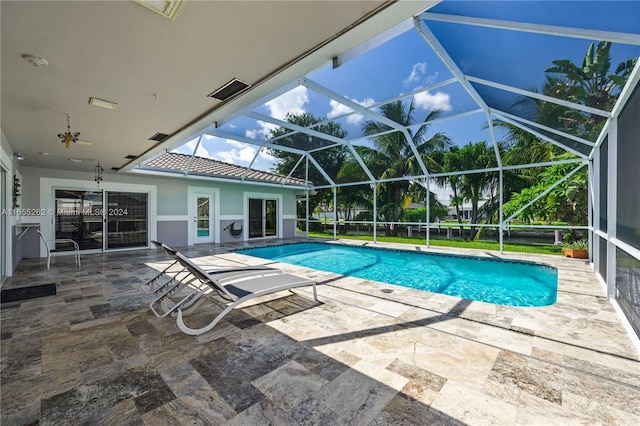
{"points": [[78, 216], [255, 218], [263, 218], [127, 221], [271, 218], [203, 218]]}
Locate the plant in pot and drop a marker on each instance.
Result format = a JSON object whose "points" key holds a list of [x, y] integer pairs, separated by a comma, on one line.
{"points": [[578, 249]]}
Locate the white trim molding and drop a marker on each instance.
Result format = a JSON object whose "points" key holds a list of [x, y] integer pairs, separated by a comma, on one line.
{"points": [[172, 218]]}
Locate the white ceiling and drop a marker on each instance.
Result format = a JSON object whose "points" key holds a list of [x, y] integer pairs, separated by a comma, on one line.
{"points": [[159, 71]]}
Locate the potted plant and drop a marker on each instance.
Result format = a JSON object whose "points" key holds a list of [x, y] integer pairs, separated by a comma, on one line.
{"points": [[578, 249]]}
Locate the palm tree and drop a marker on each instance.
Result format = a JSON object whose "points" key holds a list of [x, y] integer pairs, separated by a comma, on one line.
{"points": [[393, 157], [592, 84]]}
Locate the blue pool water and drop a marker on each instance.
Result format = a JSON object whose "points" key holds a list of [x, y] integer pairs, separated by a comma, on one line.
{"points": [[502, 282]]}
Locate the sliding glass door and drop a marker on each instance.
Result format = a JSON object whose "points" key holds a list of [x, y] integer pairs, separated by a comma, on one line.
{"points": [[263, 218], [78, 216], [83, 215], [126, 217]]}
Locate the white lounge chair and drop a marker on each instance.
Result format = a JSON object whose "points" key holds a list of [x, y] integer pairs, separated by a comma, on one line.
{"points": [[169, 282], [237, 289], [164, 278]]}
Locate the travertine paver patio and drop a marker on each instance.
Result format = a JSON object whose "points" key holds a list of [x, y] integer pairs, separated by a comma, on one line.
{"points": [[94, 354]]}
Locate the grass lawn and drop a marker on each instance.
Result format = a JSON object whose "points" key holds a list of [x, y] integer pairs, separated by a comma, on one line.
{"points": [[483, 245]]}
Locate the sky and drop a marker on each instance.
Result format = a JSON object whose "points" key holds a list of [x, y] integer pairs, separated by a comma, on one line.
{"points": [[407, 64]]}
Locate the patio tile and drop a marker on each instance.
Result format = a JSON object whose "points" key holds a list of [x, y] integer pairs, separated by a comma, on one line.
{"points": [[477, 408], [289, 385], [359, 356]]}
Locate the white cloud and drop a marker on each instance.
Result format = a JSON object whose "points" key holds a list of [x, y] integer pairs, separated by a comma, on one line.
{"points": [[237, 155], [188, 148], [338, 109], [427, 101], [264, 155], [262, 133], [417, 72], [291, 102]]}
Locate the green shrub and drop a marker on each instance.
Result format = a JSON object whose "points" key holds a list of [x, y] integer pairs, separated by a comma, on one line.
{"points": [[582, 244]]}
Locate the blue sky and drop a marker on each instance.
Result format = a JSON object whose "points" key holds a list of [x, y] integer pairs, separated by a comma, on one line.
{"points": [[407, 63]]}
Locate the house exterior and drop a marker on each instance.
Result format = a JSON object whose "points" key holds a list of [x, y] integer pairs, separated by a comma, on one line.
{"points": [[216, 203]]}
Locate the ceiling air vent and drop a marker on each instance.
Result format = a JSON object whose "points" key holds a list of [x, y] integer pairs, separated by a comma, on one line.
{"points": [[160, 137], [230, 89], [115, 169], [131, 157]]}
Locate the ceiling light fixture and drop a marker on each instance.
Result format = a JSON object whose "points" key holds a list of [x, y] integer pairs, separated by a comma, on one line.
{"points": [[98, 171], [76, 160], [19, 156], [68, 136], [167, 8], [85, 143], [34, 60], [103, 103]]}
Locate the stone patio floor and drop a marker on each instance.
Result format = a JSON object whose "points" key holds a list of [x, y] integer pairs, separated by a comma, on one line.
{"points": [[95, 354]]}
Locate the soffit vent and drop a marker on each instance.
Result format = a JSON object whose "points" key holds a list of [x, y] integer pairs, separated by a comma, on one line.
{"points": [[230, 89], [115, 169], [131, 157], [160, 137]]}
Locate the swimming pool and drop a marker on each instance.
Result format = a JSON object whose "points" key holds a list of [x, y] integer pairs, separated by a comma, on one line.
{"points": [[498, 281]]}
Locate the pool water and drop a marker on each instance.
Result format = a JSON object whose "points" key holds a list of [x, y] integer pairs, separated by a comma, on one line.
{"points": [[498, 281]]}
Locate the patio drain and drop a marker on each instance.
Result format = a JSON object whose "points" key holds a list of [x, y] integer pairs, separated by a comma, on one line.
{"points": [[386, 290]]}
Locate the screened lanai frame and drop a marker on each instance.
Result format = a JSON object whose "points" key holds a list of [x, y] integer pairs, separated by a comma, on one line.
{"points": [[587, 152]]}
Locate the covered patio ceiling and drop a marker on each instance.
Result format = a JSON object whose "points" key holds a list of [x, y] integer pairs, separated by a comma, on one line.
{"points": [[476, 62]]}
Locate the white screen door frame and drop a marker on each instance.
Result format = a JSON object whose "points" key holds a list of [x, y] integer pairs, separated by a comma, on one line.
{"points": [[212, 196]]}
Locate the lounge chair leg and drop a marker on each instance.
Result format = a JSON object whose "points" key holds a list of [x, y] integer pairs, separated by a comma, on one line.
{"points": [[197, 331]]}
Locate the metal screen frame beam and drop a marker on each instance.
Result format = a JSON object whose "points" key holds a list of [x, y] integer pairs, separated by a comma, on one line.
{"points": [[527, 27], [310, 84], [539, 96]]}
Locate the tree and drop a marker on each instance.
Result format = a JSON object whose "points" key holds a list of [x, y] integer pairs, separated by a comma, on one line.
{"points": [[392, 156], [567, 202], [592, 85], [476, 156], [471, 186], [331, 159]]}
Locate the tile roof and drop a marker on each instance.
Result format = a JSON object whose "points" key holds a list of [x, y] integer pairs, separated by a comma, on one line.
{"points": [[210, 167]]}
